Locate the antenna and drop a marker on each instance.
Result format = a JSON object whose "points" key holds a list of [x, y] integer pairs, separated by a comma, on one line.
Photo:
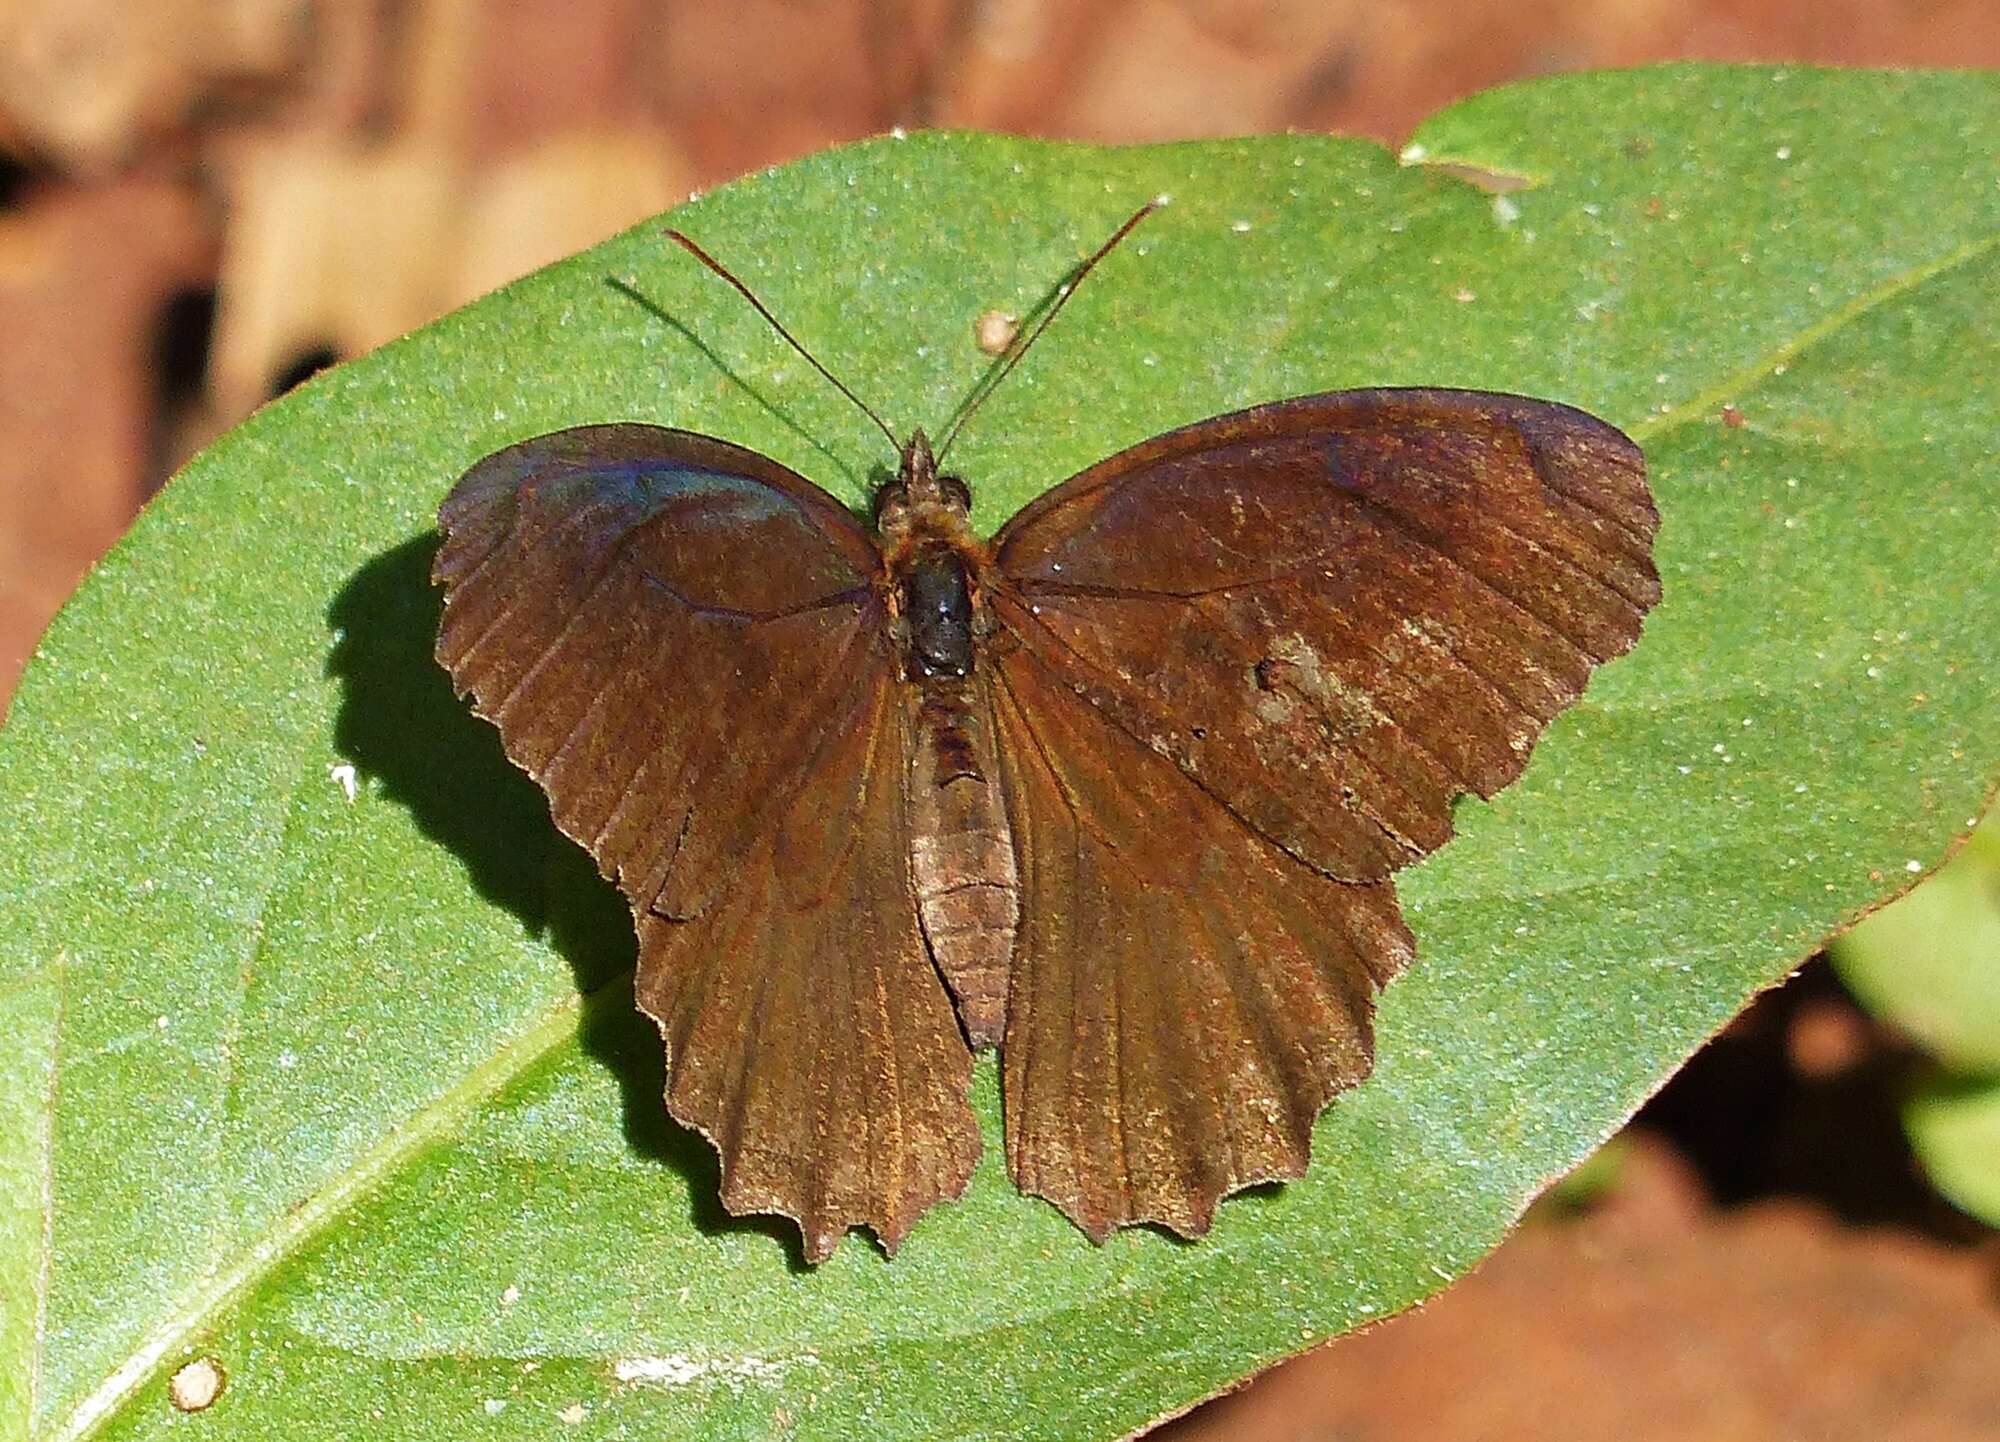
{"points": [[1020, 348], [717, 266]]}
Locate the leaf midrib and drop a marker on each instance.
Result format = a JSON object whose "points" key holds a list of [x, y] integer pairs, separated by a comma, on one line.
{"points": [[318, 1211], [559, 1023]]}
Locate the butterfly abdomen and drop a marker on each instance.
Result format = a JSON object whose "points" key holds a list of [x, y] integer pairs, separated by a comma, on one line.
{"points": [[962, 851]]}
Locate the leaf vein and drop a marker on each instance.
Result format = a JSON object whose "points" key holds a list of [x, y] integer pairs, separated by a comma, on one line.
{"points": [[1707, 400], [313, 1216]]}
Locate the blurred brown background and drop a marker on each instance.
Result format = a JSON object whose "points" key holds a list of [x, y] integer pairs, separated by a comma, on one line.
{"points": [[201, 201]]}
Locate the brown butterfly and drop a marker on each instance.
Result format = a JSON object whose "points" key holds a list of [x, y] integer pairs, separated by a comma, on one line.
{"points": [[1119, 790]]}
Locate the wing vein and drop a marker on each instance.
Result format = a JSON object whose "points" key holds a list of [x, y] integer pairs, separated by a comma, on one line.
{"points": [[851, 596], [1512, 602], [1359, 808], [503, 614]]}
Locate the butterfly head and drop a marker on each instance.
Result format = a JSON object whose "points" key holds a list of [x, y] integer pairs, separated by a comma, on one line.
{"points": [[919, 498]]}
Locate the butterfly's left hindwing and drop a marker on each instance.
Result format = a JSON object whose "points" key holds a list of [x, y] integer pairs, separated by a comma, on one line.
{"points": [[1337, 613], [1185, 996], [808, 1035]]}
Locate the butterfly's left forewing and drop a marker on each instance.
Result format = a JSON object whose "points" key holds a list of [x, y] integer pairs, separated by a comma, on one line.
{"points": [[662, 625]]}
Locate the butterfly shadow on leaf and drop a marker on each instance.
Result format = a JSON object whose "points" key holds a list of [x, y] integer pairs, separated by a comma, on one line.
{"points": [[400, 725]]}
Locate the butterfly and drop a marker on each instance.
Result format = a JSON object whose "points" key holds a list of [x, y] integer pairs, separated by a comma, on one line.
{"points": [[1119, 789]]}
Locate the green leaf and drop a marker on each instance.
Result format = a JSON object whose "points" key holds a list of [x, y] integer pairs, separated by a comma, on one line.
{"points": [[304, 1083], [1954, 1128], [1931, 962]]}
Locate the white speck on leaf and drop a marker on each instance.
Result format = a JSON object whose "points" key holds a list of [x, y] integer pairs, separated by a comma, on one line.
{"points": [[195, 1386], [995, 330]]}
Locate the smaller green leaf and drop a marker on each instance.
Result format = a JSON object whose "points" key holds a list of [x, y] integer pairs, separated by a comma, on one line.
{"points": [[1930, 964], [1954, 1128]]}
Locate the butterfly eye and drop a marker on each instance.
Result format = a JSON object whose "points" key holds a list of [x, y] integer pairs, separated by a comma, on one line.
{"points": [[956, 492], [890, 502]]}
